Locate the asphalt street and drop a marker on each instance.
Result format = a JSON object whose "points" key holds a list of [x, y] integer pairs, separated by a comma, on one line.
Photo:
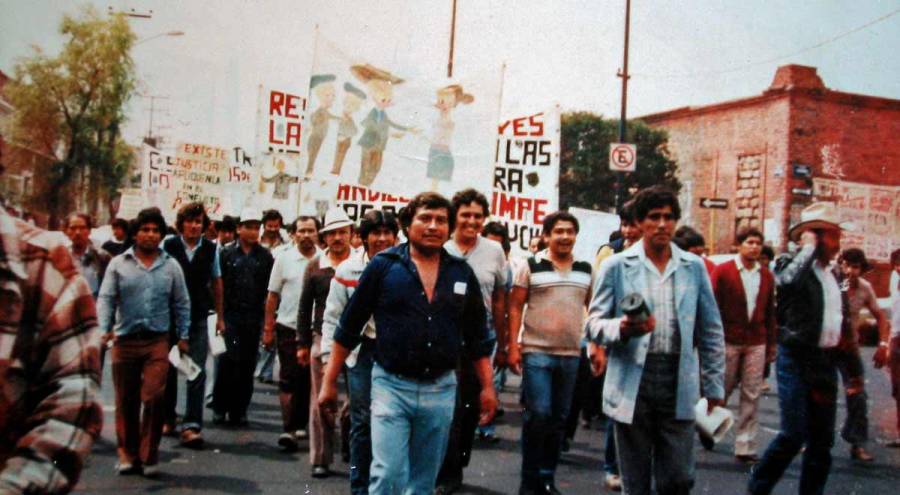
{"points": [[248, 461]]}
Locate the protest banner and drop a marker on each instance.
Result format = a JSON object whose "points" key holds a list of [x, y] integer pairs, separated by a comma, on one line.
{"points": [[280, 123], [378, 133], [276, 180], [196, 172], [872, 210], [526, 175]]}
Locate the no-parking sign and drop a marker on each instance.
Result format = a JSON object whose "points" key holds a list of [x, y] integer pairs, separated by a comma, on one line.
{"points": [[622, 157]]}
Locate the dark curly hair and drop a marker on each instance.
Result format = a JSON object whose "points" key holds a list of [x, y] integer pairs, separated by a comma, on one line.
{"points": [[191, 210], [149, 215], [428, 200]]}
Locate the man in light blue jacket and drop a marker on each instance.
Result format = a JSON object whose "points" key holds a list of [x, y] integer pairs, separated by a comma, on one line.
{"points": [[662, 361]]}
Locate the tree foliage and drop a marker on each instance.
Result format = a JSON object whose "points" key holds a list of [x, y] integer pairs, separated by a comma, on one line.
{"points": [[585, 178], [71, 106]]}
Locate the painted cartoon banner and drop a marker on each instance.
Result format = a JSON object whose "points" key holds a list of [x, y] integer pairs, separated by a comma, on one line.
{"points": [[526, 175], [874, 211], [377, 133], [196, 172]]}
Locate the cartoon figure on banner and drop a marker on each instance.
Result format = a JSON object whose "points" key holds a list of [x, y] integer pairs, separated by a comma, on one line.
{"points": [[440, 159], [281, 179], [322, 85], [376, 125], [353, 98]]}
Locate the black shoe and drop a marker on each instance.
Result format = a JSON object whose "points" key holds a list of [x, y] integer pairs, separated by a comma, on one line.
{"points": [[488, 437], [321, 472], [499, 414], [707, 443], [288, 442]]}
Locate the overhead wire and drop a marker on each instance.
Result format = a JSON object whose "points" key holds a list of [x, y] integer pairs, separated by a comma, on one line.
{"points": [[776, 58]]}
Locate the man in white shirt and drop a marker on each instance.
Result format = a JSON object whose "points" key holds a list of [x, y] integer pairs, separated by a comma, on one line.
{"points": [[285, 289], [812, 315]]}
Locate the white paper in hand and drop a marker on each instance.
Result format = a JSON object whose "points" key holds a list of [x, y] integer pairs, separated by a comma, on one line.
{"points": [[217, 345], [183, 363]]}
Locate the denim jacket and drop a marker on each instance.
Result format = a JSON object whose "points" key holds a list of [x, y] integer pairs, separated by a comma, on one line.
{"points": [[699, 325]]}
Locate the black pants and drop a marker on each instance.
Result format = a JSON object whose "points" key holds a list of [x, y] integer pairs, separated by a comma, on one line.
{"points": [[293, 382], [234, 374], [462, 430], [587, 400]]}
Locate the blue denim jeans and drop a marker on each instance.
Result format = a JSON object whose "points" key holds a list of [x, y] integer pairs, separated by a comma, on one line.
{"points": [[265, 366], [359, 381], [548, 382], [198, 348], [410, 427], [807, 397]]}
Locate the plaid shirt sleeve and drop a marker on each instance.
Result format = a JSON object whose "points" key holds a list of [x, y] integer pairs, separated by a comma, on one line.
{"points": [[49, 362]]}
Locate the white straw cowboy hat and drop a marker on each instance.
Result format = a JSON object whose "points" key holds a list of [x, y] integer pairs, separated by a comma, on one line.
{"points": [[335, 218], [818, 216]]}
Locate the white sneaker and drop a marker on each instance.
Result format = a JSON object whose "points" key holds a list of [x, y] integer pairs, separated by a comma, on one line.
{"points": [[613, 482], [301, 434]]}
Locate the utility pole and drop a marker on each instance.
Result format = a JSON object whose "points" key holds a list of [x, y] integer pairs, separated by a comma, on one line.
{"points": [[620, 182], [149, 138], [452, 40]]}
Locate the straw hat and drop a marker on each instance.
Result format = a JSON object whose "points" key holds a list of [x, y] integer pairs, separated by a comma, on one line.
{"points": [[818, 216], [366, 73], [335, 218]]}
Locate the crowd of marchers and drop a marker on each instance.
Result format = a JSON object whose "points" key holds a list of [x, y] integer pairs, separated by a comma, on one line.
{"points": [[393, 335]]}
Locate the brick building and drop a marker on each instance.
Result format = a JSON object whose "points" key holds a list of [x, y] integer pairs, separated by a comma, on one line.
{"points": [[772, 154]]}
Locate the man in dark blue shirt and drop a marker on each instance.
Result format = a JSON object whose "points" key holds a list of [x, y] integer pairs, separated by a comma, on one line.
{"points": [[429, 313], [245, 276]]}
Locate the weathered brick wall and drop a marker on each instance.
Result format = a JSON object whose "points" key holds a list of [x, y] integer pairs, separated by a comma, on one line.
{"points": [[710, 146]]}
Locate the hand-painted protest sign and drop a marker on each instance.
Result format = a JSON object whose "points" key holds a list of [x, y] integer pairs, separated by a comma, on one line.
{"points": [[196, 172], [873, 210], [281, 150], [378, 134], [526, 174], [281, 116]]}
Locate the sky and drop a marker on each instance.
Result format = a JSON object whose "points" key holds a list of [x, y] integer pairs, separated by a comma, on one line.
{"points": [[566, 52]]}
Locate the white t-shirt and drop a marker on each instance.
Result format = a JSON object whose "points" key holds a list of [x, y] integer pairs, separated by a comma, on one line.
{"points": [[286, 280]]}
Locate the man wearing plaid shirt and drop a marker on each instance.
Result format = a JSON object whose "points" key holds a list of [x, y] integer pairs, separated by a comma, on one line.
{"points": [[49, 363]]}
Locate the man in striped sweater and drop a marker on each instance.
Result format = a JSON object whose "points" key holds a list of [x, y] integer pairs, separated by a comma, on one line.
{"points": [[557, 290]]}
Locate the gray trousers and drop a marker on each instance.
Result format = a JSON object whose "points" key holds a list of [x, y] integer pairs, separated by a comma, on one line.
{"points": [[656, 445]]}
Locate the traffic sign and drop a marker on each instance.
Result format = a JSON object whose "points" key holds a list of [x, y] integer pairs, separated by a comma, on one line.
{"points": [[622, 157], [717, 203]]}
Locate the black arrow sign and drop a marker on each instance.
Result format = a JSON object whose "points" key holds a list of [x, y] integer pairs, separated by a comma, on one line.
{"points": [[719, 203]]}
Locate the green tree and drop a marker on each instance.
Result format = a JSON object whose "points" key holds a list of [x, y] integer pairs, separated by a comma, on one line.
{"points": [[71, 106], [585, 179]]}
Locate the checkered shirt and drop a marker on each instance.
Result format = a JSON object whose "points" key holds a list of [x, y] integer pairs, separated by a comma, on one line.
{"points": [[50, 412]]}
